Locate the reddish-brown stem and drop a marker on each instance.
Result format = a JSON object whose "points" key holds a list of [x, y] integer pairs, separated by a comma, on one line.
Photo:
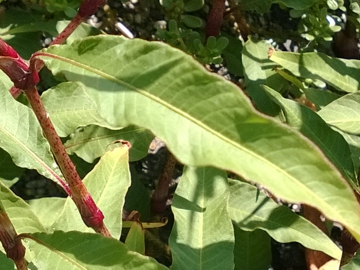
{"points": [[69, 29], [11, 242], [215, 18], [161, 193], [315, 258], [90, 213], [86, 9]]}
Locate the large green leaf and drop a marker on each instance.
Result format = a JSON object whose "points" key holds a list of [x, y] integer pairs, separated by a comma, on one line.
{"points": [[204, 119], [252, 250], [21, 137], [344, 113], [314, 127], [259, 70], [202, 236], [340, 73], [251, 209], [107, 183], [92, 141], [76, 250]]}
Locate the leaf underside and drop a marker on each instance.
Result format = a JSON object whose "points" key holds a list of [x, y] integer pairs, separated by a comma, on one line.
{"points": [[204, 119]]}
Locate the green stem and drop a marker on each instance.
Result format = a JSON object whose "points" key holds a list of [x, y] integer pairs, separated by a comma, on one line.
{"points": [[90, 213]]}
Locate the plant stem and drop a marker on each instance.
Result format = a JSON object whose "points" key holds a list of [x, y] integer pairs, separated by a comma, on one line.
{"points": [[69, 29], [90, 213], [215, 18], [161, 193], [86, 9], [11, 242]]}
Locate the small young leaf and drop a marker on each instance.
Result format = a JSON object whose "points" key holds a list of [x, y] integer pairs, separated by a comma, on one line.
{"points": [[221, 43], [191, 21], [135, 239], [193, 5], [211, 43]]}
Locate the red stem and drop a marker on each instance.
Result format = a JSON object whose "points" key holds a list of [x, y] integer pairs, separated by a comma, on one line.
{"points": [[86, 9], [215, 19], [69, 29], [90, 213]]}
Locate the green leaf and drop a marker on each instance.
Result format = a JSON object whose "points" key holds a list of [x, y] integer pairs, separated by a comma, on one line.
{"points": [[251, 209], [233, 56], [344, 113], [354, 144], [193, 5], [191, 21], [19, 212], [258, 71], [320, 98], [202, 236], [137, 198], [107, 183], [354, 264], [75, 250], [339, 73], [49, 214], [9, 172], [92, 142], [83, 30], [5, 262], [264, 5], [135, 239], [69, 107], [204, 119], [252, 250], [314, 127], [21, 137], [18, 27]]}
